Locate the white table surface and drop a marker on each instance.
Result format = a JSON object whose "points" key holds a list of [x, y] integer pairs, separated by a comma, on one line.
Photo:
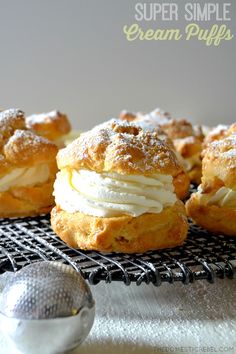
{"points": [[197, 318]]}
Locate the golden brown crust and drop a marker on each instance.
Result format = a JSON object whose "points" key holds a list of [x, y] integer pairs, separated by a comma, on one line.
{"points": [[219, 170], [231, 130], [126, 115], [218, 133], [181, 180], [146, 123], [29, 200], [181, 183], [190, 149], [157, 117], [212, 217], [25, 149], [20, 147], [25, 201], [215, 133], [10, 120], [174, 128], [119, 147], [187, 140], [188, 146], [178, 129], [122, 234], [52, 125], [219, 162]]}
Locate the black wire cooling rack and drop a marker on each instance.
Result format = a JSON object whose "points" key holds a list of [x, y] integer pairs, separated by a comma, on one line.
{"points": [[203, 255]]}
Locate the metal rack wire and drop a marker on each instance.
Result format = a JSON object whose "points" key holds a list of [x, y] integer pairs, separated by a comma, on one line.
{"points": [[203, 255]]}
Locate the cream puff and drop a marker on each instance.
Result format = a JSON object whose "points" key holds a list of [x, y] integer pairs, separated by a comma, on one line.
{"points": [[213, 206], [27, 168], [115, 192], [187, 140], [52, 125]]}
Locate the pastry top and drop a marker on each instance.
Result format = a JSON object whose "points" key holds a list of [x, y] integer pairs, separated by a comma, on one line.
{"points": [[219, 163], [128, 116], [121, 147], [216, 133], [157, 117], [147, 125], [231, 130], [10, 120], [52, 125], [186, 139], [188, 146], [25, 149], [179, 128], [20, 147], [219, 132], [174, 128]]}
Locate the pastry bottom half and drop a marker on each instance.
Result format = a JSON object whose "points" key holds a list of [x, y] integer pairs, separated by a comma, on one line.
{"points": [[212, 217], [124, 233], [27, 201]]}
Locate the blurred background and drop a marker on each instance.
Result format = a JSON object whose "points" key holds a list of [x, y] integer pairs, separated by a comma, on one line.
{"points": [[72, 55]]}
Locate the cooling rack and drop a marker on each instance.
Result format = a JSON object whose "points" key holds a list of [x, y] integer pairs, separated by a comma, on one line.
{"points": [[203, 255]]}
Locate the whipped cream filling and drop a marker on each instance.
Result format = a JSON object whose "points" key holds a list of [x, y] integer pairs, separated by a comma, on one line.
{"points": [[112, 194], [23, 177], [224, 197]]}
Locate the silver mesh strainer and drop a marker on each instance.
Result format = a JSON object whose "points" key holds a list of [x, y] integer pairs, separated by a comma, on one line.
{"points": [[45, 297], [45, 290]]}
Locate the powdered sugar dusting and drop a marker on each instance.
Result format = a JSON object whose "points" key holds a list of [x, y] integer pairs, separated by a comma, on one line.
{"points": [[216, 133], [225, 149], [157, 115], [228, 142], [10, 114], [11, 118], [118, 145], [218, 129], [40, 118], [26, 135], [230, 153]]}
